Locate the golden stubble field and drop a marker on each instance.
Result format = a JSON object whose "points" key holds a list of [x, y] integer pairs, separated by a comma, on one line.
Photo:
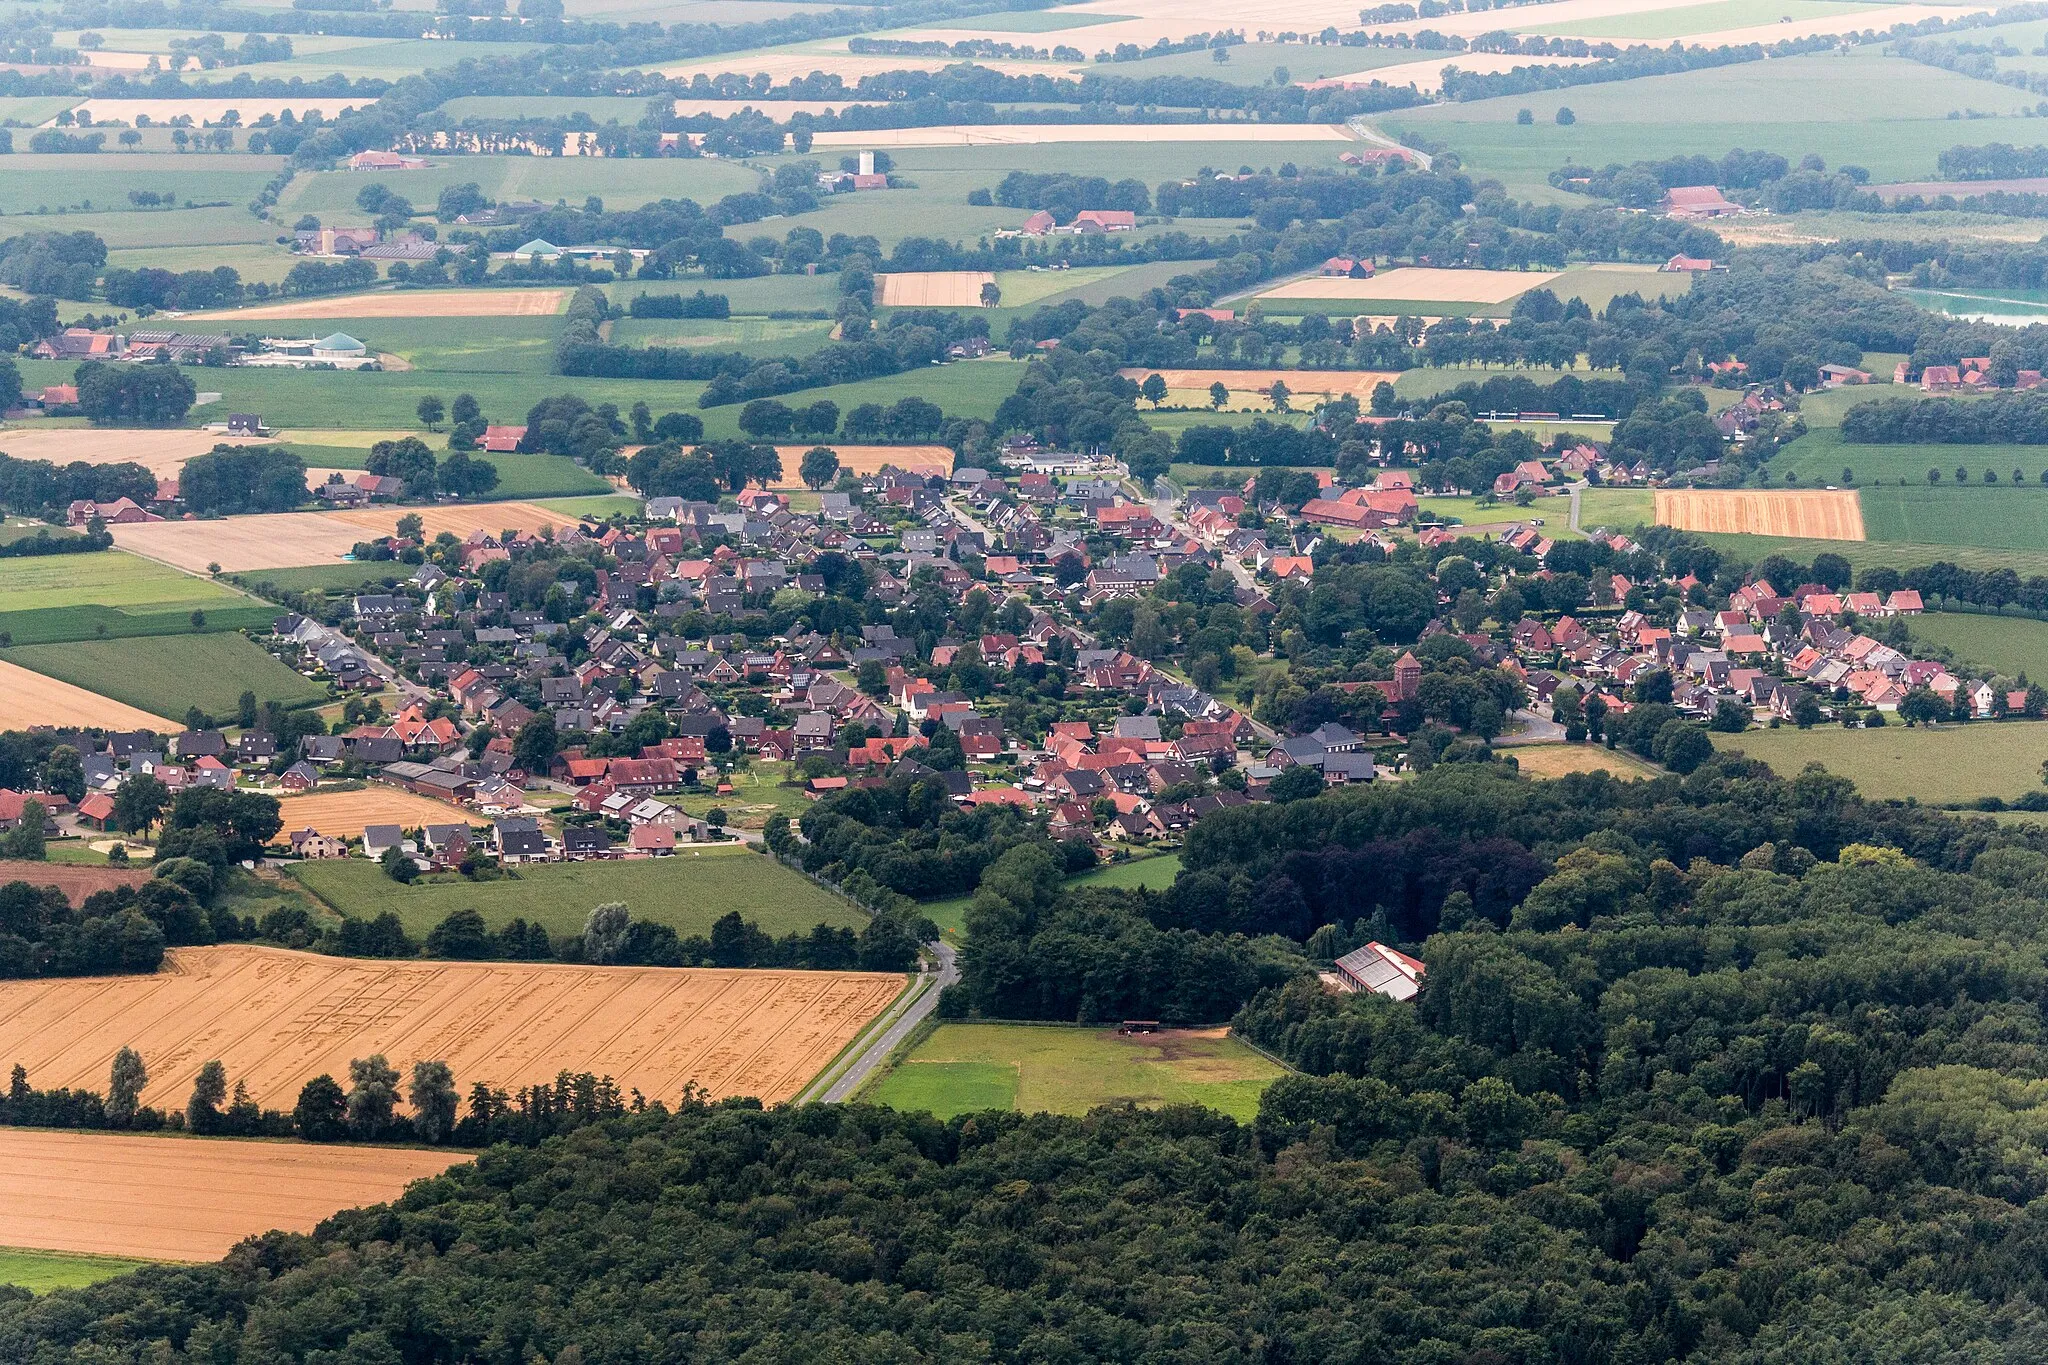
{"points": [[933, 289], [279, 1018], [284, 540], [343, 814], [864, 460], [28, 699], [1818, 514], [185, 1199], [162, 453], [425, 303]]}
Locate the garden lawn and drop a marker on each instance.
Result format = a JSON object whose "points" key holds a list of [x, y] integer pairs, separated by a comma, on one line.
{"points": [[1944, 764], [41, 1271], [2009, 644], [168, 674], [962, 1068], [687, 892]]}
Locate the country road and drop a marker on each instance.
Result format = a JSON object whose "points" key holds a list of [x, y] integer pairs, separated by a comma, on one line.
{"points": [[912, 1010]]}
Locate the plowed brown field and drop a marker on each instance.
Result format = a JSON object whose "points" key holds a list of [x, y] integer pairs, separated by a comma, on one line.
{"points": [[343, 814], [279, 1018], [75, 880], [185, 1199], [31, 699], [1822, 514]]}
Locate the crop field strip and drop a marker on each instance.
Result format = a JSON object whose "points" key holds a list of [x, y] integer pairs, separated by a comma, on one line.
{"points": [[185, 1199], [76, 881], [405, 303], [283, 540], [343, 814], [1816, 515], [164, 675], [278, 1018], [29, 699]]}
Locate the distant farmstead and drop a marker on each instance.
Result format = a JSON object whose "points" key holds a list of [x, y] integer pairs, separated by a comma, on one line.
{"points": [[1698, 201], [1383, 971]]}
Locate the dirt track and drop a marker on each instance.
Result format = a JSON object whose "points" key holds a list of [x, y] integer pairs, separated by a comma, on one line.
{"points": [[425, 303], [1817, 515], [279, 1018], [28, 698], [185, 1199]]}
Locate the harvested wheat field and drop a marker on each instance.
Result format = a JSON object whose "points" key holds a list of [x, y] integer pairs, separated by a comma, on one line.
{"points": [[1559, 760], [75, 880], [1039, 134], [865, 460], [279, 1018], [1823, 514], [1422, 283], [28, 699], [162, 453], [1319, 383], [185, 1199], [932, 289], [343, 814], [461, 521], [426, 303], [273, 540]]}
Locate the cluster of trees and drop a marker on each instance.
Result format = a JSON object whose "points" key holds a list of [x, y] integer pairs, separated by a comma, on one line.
{"points": [[64, 264], [409, 458], [151, 288], [1997, 419], [1064, 195], [329, 277], [38, 488], [234, 479], [697, 305], [133, 395]]}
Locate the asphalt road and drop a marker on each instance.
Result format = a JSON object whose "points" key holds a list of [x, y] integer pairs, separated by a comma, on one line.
{"points": [[922, 1001]]}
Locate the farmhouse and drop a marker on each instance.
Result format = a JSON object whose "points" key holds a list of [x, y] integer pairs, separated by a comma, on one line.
{"points": [[1698, 201]]}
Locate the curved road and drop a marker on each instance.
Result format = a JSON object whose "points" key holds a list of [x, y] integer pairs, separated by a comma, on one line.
{"points": [[911, 1011]]}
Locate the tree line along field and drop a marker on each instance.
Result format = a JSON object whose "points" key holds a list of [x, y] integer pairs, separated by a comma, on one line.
{"points": [[1154, 873], [344, 399], [966, 1068], [519, 476], [686, 892], [167, 675], [1951, 763]]}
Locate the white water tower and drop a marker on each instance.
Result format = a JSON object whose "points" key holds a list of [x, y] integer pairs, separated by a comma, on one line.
{"points": [[867, 163]]}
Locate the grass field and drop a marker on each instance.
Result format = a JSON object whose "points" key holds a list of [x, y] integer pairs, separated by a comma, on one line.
{"points": [[41, 1271], [1712, 17], [1154, 873], [1948, 763], [964, 1068], [329, 578], [168, 674], [387, 400], [1617, 508], [1821, 456], [1865, 553], [108, 578], [1885, 113], [2000, 517], [686, 892], [622, 183], [759, 336], [2009, 644]]}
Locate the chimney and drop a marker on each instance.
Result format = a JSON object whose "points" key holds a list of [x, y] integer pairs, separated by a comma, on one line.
{"points": [[867, 163]]}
